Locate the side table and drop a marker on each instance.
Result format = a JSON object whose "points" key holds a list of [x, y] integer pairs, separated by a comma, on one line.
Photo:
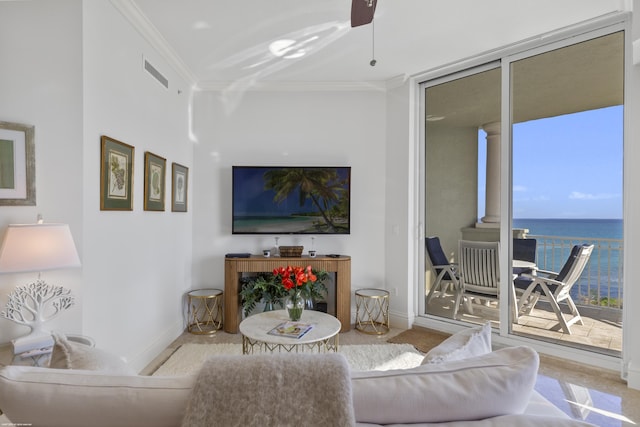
{"points": [[372, 311], [204, 311]]}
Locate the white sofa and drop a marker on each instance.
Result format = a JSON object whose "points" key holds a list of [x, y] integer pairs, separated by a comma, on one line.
{"points": [[494, 389], [460, 383]]}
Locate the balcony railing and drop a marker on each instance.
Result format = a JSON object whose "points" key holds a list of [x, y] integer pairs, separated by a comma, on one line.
{"points": [[601, 281]]}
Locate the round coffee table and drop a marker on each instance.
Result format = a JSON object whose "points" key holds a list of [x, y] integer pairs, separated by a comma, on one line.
{"points": [[322, 337]]}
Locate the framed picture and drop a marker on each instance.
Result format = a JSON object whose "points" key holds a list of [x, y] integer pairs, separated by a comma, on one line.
{"points": [[154, 179], [17, 165], [116, 175], [179, 187]]}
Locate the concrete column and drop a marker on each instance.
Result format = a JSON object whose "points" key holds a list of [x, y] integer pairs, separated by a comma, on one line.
{"points": [[492, 193]]}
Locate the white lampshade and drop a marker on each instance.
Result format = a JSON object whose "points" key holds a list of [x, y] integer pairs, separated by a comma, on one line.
{"points": [[37, 247]]}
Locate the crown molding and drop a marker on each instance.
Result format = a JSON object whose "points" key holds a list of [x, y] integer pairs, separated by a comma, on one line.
{"points": [[281, 86], [130, 10], [396, 81], [151, 34]]}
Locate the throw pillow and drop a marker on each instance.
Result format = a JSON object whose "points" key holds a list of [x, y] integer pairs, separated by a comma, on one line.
{"points": [[467, 343], [497, 383], [73, 355]]}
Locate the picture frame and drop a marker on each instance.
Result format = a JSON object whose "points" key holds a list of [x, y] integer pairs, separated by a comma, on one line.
{"points": [[154, 182], [116, 175], [17, 164], [179, 187]]}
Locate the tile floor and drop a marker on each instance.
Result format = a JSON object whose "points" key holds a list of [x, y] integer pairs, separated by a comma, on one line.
{"points": [[601, 332]]}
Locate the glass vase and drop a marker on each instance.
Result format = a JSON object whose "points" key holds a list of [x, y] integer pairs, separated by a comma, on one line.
{"points": [[295, 305], [268, 306]]}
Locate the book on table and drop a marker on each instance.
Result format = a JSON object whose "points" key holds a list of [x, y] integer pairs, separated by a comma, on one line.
{"points": [[291, 329]]}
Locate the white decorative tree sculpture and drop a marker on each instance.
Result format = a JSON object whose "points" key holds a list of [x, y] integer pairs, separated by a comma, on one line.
{"points": [[36, 303]]}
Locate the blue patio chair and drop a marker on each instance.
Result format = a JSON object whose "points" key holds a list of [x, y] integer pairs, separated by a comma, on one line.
{"points": [[554, 288], [444, 271], [524, 250]]}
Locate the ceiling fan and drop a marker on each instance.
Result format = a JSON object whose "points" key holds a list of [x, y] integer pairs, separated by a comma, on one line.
{"points": [[362, 12]]}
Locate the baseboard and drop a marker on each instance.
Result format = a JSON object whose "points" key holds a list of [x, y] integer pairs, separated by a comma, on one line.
{"points": [[139, 361], [633, 376]]}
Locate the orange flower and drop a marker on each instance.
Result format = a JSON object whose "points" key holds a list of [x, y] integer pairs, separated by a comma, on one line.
{"points": [[294, 277]]}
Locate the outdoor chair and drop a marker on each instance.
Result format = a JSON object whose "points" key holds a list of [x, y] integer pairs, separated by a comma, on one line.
{"points": [[554, 287], [524, 250], [479, 273], [444, 271]]}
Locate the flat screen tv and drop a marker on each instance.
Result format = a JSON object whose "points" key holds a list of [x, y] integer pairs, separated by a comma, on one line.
{"points": [[291, 200]]}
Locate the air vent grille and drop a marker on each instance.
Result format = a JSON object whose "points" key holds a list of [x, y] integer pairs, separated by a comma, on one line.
{"points": [[153, 71]]}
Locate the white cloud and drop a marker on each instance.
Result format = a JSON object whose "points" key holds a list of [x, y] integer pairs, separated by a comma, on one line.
{"points": [[577, 195], [519, 188]]}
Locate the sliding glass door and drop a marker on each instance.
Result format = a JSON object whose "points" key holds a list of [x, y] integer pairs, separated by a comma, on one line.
{"points": [[531, 145], [456, 107], [567, 142]]}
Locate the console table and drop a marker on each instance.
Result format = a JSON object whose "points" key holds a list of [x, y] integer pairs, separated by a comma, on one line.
{"points": [[234, 267]]}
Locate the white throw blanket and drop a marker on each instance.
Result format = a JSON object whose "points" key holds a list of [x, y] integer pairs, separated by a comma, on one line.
{"points": [[272, 390]]}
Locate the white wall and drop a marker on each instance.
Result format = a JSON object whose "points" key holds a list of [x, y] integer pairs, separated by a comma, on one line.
{"points": [[137, 263], [290, 128], [401, 203], [41, 85]]}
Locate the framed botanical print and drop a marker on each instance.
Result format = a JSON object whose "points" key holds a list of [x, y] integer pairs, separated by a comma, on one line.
{"points": [[154, 182], [179, 187], [17, 165], [116, 175]]}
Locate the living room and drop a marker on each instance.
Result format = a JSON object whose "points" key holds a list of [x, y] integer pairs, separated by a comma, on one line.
{"points": [[74, 71]]}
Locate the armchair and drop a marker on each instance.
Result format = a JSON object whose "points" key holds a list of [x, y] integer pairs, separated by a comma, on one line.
{"points": [[444, 271], [524, 250], [554, 287]]}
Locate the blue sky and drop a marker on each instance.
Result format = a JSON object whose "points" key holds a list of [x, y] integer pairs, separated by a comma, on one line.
{"points": [[566, 166]]}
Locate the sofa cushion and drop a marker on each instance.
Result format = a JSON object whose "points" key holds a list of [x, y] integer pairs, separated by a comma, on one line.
{"points": [[73, 355], [79, 398], [467, 343], [498, 383]]}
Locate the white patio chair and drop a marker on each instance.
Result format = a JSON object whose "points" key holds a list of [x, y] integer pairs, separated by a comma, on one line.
{"points": [[554, 287], [444, 271]]}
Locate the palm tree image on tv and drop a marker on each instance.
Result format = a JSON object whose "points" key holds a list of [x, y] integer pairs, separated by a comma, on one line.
{"points": [[289, 200]]}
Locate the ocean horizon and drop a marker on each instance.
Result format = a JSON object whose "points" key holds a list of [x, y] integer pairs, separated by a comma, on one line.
{"points": [[572, 227]]}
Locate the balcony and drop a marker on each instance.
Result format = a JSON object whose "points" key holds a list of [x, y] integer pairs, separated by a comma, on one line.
{"points": [[598, 295]]}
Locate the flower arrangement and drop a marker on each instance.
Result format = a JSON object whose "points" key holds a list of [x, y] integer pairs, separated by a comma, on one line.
{"points": [[294, 280], [294, 277], [271, 288]]}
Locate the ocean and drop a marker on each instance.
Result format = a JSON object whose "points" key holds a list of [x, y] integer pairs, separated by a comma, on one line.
{"points": [[601, 282], [592, 228]]}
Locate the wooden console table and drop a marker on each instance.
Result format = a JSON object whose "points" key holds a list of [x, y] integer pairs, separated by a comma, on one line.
{"points": [[234, 267]]}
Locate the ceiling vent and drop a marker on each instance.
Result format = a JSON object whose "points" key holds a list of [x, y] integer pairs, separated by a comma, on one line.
{"points": [[153, 71]]}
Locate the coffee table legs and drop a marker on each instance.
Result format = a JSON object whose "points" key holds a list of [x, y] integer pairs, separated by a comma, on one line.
{"points": [[250, 346]]}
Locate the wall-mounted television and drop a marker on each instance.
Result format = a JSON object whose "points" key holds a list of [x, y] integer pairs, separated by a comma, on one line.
{"points": [[291, 200]]}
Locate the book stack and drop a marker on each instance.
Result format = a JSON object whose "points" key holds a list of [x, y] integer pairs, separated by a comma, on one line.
{"points": [[33, 350]]}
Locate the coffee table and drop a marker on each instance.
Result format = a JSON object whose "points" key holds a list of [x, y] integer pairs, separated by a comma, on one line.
{"points": [[323, 337]]}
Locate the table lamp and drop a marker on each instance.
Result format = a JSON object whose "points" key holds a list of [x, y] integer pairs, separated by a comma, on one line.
{"points": [[37, 247]]}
